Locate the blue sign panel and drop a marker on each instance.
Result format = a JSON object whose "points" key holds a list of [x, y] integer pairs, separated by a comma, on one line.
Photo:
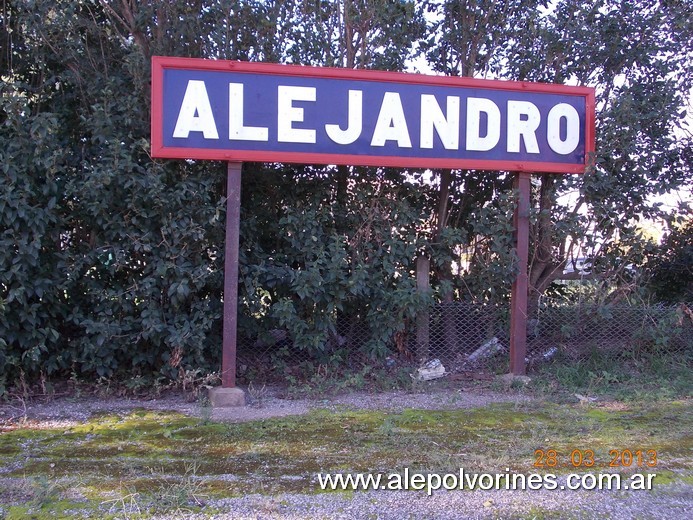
{"points": [[335, 116]]}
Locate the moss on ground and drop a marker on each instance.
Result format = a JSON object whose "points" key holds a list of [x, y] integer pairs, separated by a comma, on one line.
{"points": [[148, 460]]}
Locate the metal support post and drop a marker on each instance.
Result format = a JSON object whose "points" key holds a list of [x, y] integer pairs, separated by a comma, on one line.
{"points": [[233, 219], [518, 303]]}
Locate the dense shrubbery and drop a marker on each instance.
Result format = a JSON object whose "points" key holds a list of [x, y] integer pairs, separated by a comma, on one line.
{"points": [[671, 266]]}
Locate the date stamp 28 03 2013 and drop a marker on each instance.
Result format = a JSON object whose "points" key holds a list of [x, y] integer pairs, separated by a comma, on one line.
{"points": [[586, 458]]}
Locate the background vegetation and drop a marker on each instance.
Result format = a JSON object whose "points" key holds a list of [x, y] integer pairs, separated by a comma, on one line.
{"points": [[111, 262]]}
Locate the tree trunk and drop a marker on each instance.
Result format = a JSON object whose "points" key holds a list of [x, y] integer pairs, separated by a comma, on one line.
{"points": [[450, 339], [423, 267], [545, 267]]}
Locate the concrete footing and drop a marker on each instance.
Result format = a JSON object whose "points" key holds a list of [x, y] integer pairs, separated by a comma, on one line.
{"points": [[509, 380], [226, 397]]}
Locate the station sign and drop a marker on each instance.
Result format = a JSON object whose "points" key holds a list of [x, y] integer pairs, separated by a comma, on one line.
{"points": [[239, 111]]}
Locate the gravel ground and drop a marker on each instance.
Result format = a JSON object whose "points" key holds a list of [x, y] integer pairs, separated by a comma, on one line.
{"points": [[65, 412], [672, 502], [273, 406]]}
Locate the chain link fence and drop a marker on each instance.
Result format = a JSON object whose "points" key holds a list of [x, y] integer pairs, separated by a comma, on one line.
{"points": [[468, 337], [471, 337]]}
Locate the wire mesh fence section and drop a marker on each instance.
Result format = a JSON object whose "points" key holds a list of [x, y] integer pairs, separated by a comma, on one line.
{"points": [[348, 342], [471, 337], [476, 337], [576, 331], [466, 336]]}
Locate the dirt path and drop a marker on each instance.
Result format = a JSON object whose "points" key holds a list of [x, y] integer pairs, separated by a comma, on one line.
{"points": [[66, 411]]}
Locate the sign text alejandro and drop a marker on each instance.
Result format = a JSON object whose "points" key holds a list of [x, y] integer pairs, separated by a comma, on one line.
{"points": [[236, 111]]}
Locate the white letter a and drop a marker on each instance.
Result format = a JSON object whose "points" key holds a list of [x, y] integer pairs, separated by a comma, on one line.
{"points": [[391, 124], [196, 113]]}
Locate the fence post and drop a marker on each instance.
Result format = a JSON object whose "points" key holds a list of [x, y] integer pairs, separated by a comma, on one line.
{"points": [[518, 302], [423, 268]]}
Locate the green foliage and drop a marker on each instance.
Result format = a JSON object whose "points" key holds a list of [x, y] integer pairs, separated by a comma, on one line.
{"points": [[326, 265], [670, 266], [466, 38], [33, 302], [492, 264], [111, 262], [637, 56]]}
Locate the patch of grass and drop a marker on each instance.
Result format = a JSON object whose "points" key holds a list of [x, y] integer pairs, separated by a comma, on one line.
{"points": [[61, 509], [539, 513], [45, 491], [325, 380], [618, 377]]}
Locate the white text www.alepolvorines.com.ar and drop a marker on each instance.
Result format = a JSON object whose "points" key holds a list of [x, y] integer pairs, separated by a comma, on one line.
{"points": [[431, 482]]}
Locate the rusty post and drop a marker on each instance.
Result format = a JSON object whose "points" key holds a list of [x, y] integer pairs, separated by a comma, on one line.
{"points": [[518, 303], [233, 220]]}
